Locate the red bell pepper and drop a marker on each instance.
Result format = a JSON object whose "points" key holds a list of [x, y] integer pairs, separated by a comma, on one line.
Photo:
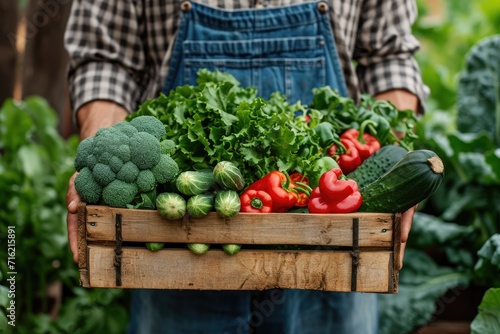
{"points": [[350, 159], [335, 194], [365, 143], [277, 184], [257, 201]]}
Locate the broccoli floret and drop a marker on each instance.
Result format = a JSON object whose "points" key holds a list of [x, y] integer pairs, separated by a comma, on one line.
{"points": [[126, 128], [116, 164], [149, 124], [145, 150], [88, 189], [85, 149], [146, 180], [166, 169], [168, 146], [103, 174], [128, 173], [118, 193]]}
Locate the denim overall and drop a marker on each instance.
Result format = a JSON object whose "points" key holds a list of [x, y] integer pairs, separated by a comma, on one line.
{"points": [[290, 49]]}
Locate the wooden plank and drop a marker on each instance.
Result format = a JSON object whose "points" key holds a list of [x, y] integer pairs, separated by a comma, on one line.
{"points": [[82, 245], [375, 230], [249, 269]]}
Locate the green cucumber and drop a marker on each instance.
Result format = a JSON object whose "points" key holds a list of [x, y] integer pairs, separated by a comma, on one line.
{"points": [[200, 205], [377, 164], [228, 176], [195, 182], [413, 179], [227, 203]]}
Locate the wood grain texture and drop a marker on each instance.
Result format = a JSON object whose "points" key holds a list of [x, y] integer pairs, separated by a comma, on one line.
{"points": [[375, 230], [82, 244], [334, 247], [247, 270]]}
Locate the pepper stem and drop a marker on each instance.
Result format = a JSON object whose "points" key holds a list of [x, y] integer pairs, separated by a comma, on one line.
{"points": [[256, 203], [362, 128]]}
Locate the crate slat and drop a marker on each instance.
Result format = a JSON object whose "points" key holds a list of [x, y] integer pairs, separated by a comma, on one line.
{"points": [[245, 228], [247, 270]]}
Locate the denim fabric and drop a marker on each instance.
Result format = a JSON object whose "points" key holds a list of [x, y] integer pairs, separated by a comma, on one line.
{"points": [[252, 312], [288, 49]]}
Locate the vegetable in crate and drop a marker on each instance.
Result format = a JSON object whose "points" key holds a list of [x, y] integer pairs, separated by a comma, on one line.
{"points": [[121, 161], [278, 185], [299, 181], [414, 178], [227, 203], [365, 143], [171, 206], [377, 164], [335, 194], [198, 248], [155, 246], [228, 176], [200, 205], [231, 249], [195, 182], [256, 201], [347, 156], [320, 166]]}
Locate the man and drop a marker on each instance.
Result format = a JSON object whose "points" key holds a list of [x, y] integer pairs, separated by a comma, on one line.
{"points": [[124, 52]]}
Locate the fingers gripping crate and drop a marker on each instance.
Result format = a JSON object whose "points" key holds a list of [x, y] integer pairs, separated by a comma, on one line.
{"points": [[332, 252]]}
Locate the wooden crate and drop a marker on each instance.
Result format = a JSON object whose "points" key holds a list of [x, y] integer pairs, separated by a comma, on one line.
{"points": [[338, 252]]}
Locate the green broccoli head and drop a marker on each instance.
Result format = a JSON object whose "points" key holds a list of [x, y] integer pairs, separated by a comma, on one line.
{"points": [[89, 190], [149, 124], [118, 193], [166, 169], [123, 160], [145, 150]]}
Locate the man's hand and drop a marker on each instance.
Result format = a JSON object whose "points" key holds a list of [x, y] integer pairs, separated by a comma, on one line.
{"points": [[403, 100], [91, 117]]}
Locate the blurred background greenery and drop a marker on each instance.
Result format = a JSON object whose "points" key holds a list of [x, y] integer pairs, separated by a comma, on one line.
{"points": [[454, 252]]}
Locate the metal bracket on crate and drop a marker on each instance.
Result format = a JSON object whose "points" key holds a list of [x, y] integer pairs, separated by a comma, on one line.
{"points": [[355, 253], [118, 249]]}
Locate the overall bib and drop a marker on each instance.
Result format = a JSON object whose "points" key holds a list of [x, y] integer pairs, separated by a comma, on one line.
{"points": [[289, 49]]}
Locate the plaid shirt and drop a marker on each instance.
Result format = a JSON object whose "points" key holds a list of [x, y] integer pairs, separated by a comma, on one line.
{"points": [[117, 48]]}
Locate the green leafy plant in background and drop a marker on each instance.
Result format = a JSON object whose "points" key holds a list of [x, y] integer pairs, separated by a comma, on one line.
{"points": [[459, 224], [35, 166]]}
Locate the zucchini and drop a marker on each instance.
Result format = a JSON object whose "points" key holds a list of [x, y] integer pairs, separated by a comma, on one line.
{"points": [[377, 164], [228, 176], [414, 178]]}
